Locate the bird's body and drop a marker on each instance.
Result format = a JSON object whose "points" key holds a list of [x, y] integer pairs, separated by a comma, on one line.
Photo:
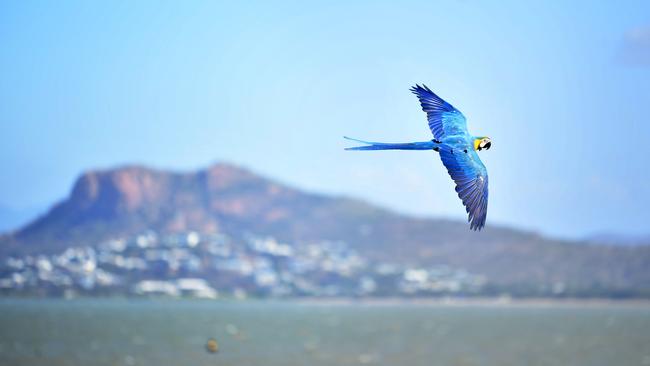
{"points": [[457, 149]]}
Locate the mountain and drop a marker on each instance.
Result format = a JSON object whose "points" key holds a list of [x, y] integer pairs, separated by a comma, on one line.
{"points": [[618, 239], [225, 198]]}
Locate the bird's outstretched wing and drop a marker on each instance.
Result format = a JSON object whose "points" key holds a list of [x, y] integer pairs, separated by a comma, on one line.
{"points": [[444, 119], [470, 175]]}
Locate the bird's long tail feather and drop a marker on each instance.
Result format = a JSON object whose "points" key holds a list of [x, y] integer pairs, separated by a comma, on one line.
{"points": [[425, 145]]}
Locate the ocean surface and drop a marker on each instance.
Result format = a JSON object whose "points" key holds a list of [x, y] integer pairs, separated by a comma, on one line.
{"points": [[168, 332]]}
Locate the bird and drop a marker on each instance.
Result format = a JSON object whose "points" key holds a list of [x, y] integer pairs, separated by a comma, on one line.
{"points": [[458, 150]]}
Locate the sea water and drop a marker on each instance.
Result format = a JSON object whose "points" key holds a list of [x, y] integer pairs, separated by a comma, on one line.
{"points": [[175, 332]]}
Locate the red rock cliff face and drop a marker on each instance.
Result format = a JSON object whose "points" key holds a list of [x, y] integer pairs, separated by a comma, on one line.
{"points": [[119, 191]]}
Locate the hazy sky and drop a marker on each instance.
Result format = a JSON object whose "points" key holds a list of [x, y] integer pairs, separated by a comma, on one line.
{"points": [[562, 89]]}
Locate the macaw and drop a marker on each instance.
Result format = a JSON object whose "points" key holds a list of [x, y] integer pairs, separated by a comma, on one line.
{"points": [[457, 149]]}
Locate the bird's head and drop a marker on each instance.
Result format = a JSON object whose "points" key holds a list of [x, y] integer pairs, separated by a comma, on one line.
{"points": [[481, 143]]}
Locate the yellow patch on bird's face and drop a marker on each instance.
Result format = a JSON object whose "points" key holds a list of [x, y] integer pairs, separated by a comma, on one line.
{"points": [[477, 143]]}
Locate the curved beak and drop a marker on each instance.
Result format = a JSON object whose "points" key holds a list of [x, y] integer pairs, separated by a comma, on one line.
{"points": [[488, 145]]}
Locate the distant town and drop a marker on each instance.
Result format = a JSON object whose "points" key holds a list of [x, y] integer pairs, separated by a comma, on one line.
{"points": [[218, 266]]}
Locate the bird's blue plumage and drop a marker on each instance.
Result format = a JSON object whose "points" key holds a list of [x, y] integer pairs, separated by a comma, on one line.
{"points": [[444, 119], [457, 152], [425, 145], [470, 175]]}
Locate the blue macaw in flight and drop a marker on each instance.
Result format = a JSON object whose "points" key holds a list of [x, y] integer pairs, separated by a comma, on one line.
{"points": [[457, 149]]}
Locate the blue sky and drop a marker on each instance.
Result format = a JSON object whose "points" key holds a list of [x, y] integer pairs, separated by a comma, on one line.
{"points": [[562, 89]]}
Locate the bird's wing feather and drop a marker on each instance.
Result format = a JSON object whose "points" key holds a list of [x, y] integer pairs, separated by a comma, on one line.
{"points": [[444, 119], [470, 175]]}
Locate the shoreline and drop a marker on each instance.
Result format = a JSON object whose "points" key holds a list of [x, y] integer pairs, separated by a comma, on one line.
{"points": [[480, 302], [495, 302]]}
